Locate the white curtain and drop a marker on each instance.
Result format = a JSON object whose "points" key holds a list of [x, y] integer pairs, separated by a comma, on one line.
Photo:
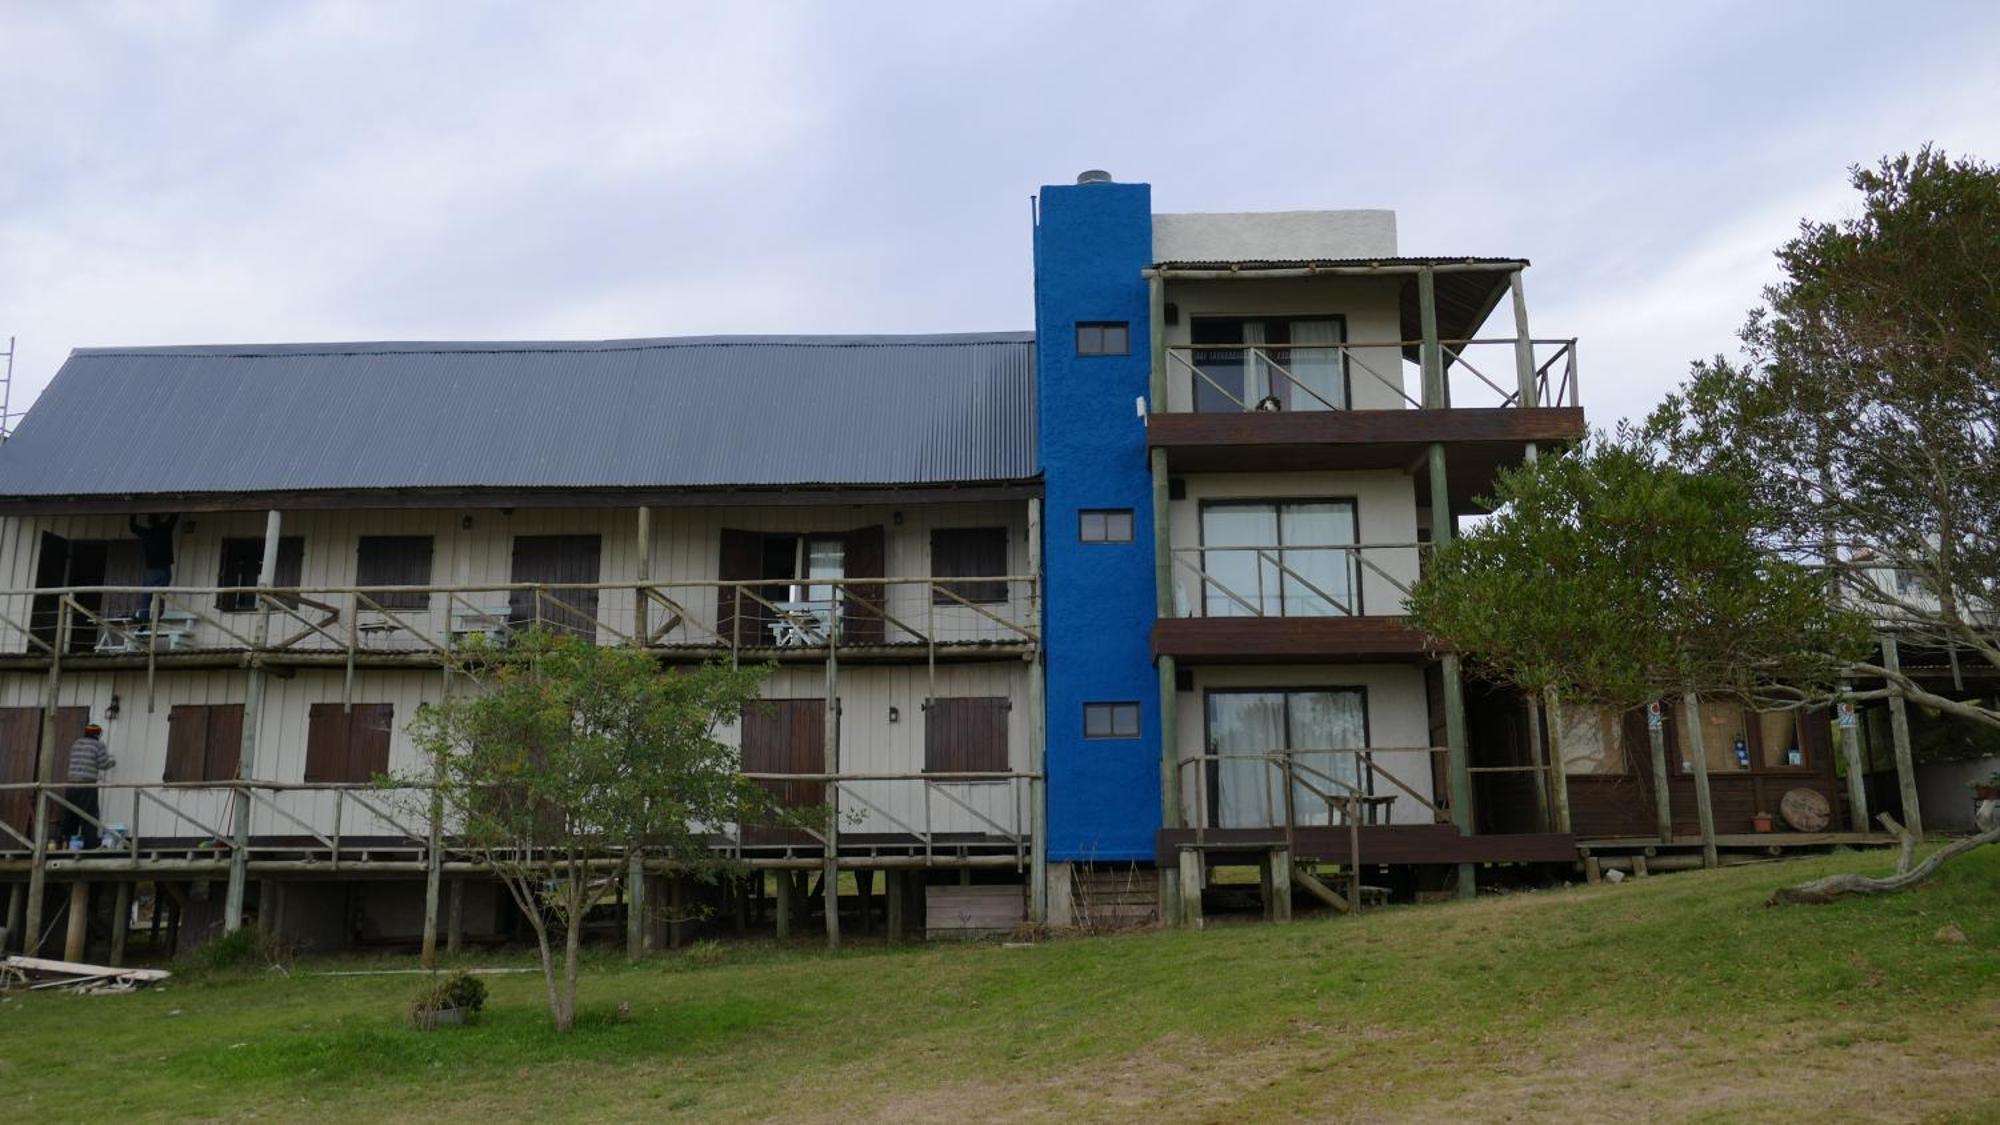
{"points": [[1250, 791], [1322, 721], [1311, 573], [1316, 369], [1257, 375]]}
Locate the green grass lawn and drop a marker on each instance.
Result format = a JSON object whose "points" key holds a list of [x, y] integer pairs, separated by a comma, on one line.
{"points": [[1675, 997]]}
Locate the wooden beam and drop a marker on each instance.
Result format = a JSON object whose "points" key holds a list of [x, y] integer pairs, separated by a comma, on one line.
{"points": [[1703, 804], [897, 899], [1321, 891], [17, 909], [786, 893], [1849, 733], [1038, 790], [399, 499], [1524, 345], [641, 604], [1191, 875], [121, 920]]}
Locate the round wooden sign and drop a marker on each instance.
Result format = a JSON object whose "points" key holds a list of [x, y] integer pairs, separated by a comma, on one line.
{"points": [[1805, 810]]}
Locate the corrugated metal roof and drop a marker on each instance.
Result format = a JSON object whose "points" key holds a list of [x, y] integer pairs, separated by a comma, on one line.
{"points": [[690, 412]]}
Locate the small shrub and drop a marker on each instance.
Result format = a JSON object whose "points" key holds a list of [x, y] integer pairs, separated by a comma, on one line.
{"points": [[707, 951], [243, 948], [461, 991]]}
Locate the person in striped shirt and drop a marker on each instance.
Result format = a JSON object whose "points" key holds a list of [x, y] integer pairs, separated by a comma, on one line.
{"points": [[89, 760]]}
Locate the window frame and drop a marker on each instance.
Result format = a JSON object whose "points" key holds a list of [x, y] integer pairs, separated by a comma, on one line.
{"points": [[1101, 327], [1196, 324], [1105, 515], [1115, 706], [1356, 576]]}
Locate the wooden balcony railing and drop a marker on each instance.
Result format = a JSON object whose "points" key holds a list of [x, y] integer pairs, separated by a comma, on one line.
{"points": [[351, 623], [1230, 378], [1309, 580]]}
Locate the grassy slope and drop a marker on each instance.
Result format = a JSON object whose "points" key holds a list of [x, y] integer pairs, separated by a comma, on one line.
{"points": [[1677, 996]]}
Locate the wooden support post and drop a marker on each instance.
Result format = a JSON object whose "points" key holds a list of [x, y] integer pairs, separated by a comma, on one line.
{"points": [[267, 897], [159, 916], [1264, 883], [896, 899], [253, 708], [635, 904], [641, 605], [45, 775], [121, 920], [1457, 757], [1190, 888], [1524, 344], [17, 912], [1038, 789], [1279, 863], [864, 885], [830, 872], [677, 911], [1639, 867], [1593, 871], [787, 891], [1857, 773], [1698, 750], [1171, 888], [739, 903], [1899, 730], [79, 921], [1663, 798], [454, 917]]}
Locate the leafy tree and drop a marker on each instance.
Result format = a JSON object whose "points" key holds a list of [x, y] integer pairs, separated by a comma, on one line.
{"points": [[568, 754], [1863, 420], [1612, 577]]}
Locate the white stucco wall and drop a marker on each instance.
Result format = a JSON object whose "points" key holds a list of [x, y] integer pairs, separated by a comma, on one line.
{"points": [[1242, 236]]}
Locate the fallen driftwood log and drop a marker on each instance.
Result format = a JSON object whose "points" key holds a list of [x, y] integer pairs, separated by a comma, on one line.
{"points": [[1821, 891], [41, 973]]}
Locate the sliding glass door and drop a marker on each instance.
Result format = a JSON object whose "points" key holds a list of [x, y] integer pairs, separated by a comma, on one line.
{"points": [[1280, 559], [1252, 732]]}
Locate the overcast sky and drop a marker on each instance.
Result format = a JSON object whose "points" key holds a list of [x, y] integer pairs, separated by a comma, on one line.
{"points": [[254, 172]]}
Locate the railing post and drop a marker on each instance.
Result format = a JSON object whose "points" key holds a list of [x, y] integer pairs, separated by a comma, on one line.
{"points": [[253, 706], [1663, 799], [45, 775], [1698, 751]]}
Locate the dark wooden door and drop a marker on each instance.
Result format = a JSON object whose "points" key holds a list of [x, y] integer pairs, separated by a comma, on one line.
{"points": [[556, 559], [742, 560], [20, 751], [863, 620], [785, 736], [51, 569]]}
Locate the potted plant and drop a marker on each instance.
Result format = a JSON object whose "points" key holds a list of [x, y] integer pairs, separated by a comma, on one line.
{"points": [[1988, 789], [449, 1002], [1761, 822]]}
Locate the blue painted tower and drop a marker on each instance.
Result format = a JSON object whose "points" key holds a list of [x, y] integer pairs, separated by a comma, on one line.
{"points": [[1092, 352]]}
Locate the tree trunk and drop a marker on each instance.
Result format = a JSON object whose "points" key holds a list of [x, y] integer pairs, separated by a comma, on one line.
{"points": [[1818, 892], [566, 1012]]}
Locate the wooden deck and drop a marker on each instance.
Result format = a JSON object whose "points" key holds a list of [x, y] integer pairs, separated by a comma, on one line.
{"points": [[1379, 844]]}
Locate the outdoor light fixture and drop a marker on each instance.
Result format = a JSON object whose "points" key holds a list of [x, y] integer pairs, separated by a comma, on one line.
{"points": [[466, 523], [896, 518], [111, 712], [895, 715]]}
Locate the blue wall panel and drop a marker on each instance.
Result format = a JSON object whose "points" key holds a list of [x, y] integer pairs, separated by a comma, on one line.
{"points": [[1091, 242]]}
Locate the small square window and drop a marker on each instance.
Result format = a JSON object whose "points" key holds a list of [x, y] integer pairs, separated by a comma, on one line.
{"points": [[1104, 525], [1111, 720], [1103, 337]]}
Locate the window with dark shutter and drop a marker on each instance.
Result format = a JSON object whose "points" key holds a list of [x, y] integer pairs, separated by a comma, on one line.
{"points": [[969, 552], [966, 735], [348, 747], [394, 560], [203, 742], [241, 561]]}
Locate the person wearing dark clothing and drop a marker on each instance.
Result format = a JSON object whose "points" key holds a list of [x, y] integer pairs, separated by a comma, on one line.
{"points": [[89, 758], [156, 546]]}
